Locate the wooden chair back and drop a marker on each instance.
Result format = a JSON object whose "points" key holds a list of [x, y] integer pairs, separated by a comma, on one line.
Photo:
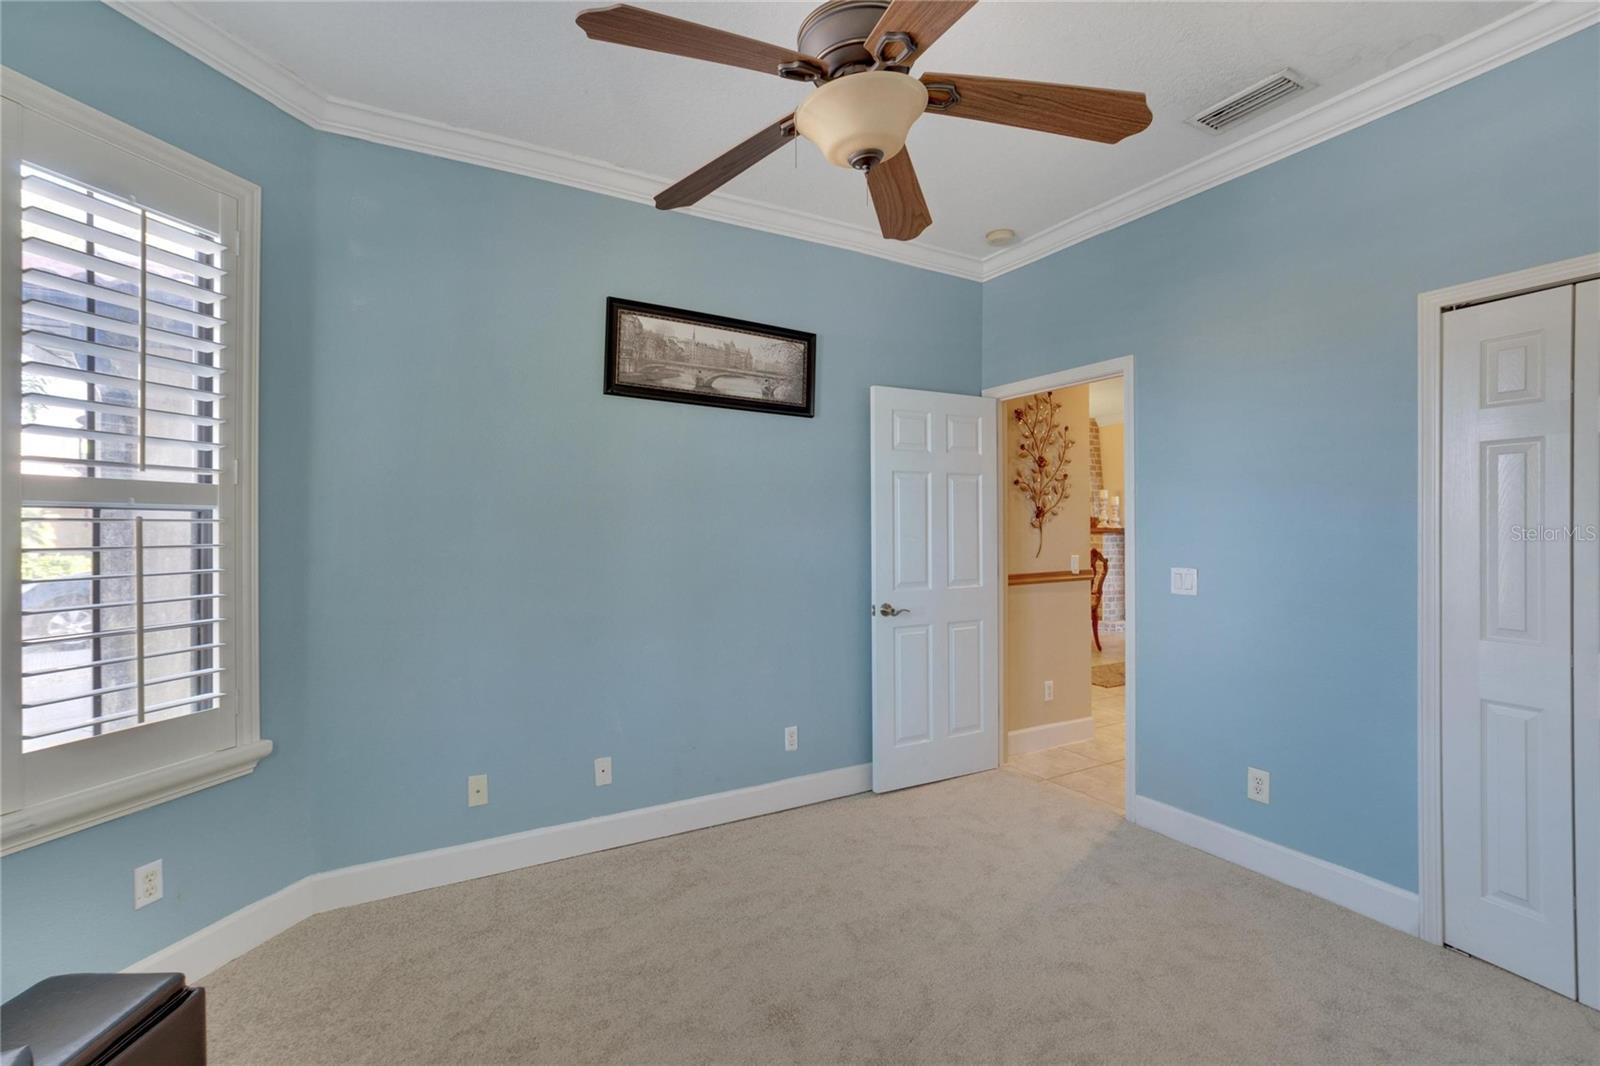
{"points": [[1099, 566]]}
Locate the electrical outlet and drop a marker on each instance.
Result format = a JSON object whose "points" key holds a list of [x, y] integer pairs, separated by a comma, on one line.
{"points": [[1049, 691], [791, 738], [146, 884], [477, 790], [1257, 785], [1073, 564], [602, 770]]}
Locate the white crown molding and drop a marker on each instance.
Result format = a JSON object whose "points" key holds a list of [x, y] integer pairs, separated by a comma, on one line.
{"points": [[1509, 38], [397, 130], [180, 25], [201, 38]]}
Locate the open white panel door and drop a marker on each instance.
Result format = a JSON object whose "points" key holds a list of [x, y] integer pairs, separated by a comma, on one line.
{"points": [[935, 595]]}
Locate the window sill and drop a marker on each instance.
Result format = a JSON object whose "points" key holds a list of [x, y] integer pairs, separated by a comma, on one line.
{"points": [[59, 817]]}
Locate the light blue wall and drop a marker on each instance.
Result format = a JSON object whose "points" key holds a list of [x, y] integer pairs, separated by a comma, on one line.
{"points": [[68, 904], [472, 561], [521, 574], [1273, 325]]}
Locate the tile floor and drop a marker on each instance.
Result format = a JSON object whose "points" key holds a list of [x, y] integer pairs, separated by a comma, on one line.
{"points": [[1113, 648], [1094, 767]]}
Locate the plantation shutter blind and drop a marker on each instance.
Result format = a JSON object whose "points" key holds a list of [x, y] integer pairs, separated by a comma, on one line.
{"points": [[125, 463], [121, 375]]}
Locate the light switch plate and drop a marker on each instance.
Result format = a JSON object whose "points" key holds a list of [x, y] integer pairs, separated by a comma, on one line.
{"points": [[1185, 581]]}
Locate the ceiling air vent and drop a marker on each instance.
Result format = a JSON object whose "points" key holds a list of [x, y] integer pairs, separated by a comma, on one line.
{"points": [[1246, 103]]}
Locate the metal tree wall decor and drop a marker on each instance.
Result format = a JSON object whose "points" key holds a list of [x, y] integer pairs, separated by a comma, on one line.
{"points": [[1042, 461]]}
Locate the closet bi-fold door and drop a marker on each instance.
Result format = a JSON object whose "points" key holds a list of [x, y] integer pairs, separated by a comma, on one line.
{"points": [[1507, 580]]}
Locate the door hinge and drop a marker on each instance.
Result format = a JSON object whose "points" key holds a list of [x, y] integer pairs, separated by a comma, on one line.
{"points": [[236, 471]]}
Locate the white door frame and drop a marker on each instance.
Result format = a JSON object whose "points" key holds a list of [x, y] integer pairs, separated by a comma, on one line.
{"points": [[1431, 307], [1082, 375]]}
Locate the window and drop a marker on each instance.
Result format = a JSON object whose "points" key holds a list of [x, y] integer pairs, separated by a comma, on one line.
{"points": [[129, 630]]}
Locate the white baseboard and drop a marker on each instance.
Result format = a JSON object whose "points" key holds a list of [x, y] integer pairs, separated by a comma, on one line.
{"points": [[1054, 734], [463, 862], [226, 939], [1378, 900]]}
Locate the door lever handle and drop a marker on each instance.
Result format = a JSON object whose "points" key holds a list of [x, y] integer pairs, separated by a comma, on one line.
{"points": [[888, 610]]}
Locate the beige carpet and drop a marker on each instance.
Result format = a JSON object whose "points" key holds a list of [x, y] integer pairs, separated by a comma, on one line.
{"points": [[989, 919]]}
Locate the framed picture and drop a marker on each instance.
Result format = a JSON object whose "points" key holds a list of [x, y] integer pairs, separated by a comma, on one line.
{"points": [[666, 353]]}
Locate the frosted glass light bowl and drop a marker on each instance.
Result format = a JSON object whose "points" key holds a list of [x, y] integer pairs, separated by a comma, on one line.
{"points": [[855, 116]]}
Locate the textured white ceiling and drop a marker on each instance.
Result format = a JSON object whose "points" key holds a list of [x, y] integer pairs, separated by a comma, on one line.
{"points": [[525, 71]]}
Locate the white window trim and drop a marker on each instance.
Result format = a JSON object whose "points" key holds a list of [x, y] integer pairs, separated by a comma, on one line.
{"points": [[28, 826]]}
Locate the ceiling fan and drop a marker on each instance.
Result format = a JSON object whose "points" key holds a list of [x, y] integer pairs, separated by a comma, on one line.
{"points": [[858, 54]]}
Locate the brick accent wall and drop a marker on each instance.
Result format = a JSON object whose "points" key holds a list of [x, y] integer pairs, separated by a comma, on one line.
{"points": [[1097, 470], [1113, 601]]}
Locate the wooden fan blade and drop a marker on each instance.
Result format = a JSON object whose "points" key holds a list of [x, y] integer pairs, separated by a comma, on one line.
{"points": [[638, 28], [727, 166], [924, 20], [897, 195], [1104, 115]]}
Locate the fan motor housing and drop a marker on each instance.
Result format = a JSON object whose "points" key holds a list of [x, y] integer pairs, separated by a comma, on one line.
{"points": [[836, 34]]}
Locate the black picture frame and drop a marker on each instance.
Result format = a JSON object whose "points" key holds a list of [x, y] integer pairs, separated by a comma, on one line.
{"points": [[627, 374]]}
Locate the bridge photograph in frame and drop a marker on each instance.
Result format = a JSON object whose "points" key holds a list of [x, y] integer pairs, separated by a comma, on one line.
{"points": [[667, 353]]}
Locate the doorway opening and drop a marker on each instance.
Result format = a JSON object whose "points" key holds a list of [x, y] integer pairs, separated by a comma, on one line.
{"points": [[1066, 520]]}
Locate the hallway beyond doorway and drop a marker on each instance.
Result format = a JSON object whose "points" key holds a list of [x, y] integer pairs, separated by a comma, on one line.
{"points": [[1092, 768]]}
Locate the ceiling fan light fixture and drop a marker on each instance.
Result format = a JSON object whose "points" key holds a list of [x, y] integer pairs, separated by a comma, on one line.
{"points": [[857, 52], [857, 117]]}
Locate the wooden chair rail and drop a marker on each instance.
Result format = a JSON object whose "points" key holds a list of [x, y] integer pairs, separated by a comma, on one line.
{"points": [[1048, 577]]}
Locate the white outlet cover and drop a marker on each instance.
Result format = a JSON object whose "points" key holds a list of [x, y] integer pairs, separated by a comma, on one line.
{"points": [[477, 790], [1257, 785], [602, 770], [1049, 691], [147, 884], [791, 738]]}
